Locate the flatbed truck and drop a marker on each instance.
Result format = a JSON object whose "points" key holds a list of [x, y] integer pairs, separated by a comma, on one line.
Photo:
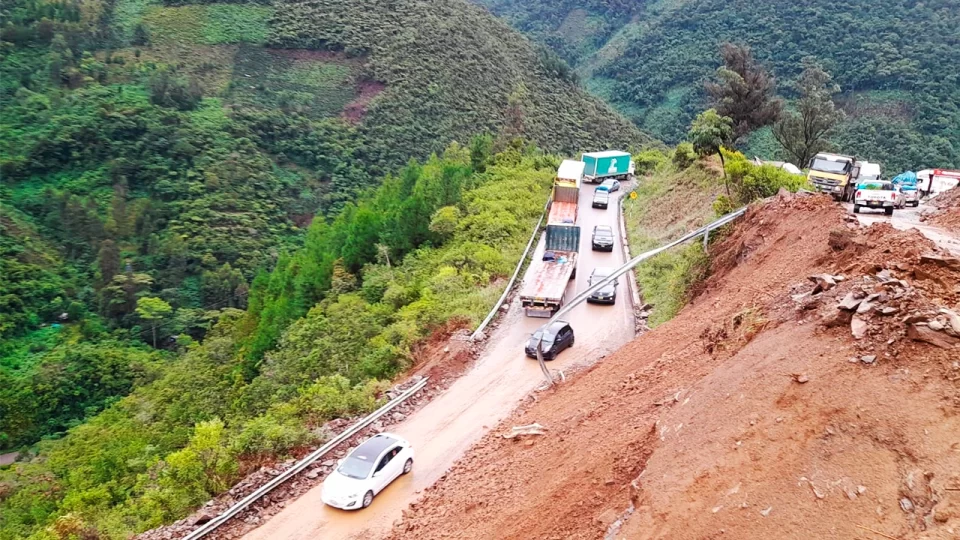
{"points": [[544, 292]]}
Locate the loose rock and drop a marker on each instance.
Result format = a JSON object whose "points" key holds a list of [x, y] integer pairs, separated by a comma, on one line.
{"points": [[928, 335], [850, 302], [858, 327], [868, 359]]}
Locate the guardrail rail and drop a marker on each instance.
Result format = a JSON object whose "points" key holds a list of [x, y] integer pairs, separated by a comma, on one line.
{"points": [[231, 512]]}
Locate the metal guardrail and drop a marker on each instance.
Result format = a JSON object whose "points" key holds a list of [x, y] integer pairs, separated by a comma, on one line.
{"points": [[513, 278], [213, 524], [577, 300]]}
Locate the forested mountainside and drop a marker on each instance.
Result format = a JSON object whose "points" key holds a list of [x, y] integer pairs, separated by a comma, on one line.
{"points": [[893, 59], [222, 224]]}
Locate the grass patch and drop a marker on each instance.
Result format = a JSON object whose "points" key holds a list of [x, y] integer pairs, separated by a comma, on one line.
{"points": [[215, 24], [671, 202], [126, 15], [236, 23], [666, 279], [313, 86]]}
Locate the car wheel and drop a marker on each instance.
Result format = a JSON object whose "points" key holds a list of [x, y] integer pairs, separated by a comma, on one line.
{"points": [[888, 211], [856, 209], [408, 466], [367, 499]]}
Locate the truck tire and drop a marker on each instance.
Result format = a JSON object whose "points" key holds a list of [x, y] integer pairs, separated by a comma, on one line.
{"points": [[888, 210], [573, 275], [856, 208]]}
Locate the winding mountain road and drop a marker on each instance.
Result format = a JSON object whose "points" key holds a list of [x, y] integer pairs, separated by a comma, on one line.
{"points": [[445, 428]]}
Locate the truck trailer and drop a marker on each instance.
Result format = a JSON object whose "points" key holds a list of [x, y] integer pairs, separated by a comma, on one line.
{"points": [[545, 290], [599, 166]]}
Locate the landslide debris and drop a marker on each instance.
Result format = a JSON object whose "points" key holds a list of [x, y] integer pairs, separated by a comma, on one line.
{"points": [[947, 214], [810, 390]]}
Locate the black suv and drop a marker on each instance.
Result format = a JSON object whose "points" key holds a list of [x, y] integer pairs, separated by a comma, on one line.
{"points": [[556, 338], [606, 294], [602, 238]]}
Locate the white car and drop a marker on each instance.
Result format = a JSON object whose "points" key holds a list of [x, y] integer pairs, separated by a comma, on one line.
{"points": [[366, 471]]}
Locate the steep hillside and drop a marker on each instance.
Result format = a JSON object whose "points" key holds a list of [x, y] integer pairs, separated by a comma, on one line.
{"points": [[892, 59], [223, 223], [768, 400], [168, 152]]}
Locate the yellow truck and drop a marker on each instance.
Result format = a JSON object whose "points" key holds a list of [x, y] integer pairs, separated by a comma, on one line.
{"points": [[834, 174]]}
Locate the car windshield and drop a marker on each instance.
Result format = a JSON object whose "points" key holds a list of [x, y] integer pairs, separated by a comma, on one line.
{"points": [[547, 337], [599, 274], [355, 468], [826, 165], [603, 232]]}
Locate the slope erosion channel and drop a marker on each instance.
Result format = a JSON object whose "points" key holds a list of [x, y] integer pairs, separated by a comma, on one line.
{"points": [[447, 427]]}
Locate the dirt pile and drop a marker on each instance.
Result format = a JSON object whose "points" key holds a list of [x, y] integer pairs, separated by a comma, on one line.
{"points": [[948, 210], [811, 390]]}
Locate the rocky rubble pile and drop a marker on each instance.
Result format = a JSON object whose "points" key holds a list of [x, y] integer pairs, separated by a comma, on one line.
{"points": [[947, 214], [893, 302]]}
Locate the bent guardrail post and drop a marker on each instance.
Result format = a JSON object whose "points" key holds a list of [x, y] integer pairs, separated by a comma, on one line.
{"points": [[216, 522]]}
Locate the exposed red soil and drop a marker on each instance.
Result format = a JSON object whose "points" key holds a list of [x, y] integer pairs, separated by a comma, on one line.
{"points": [[948, 210], [354, 111], [746, 416]]}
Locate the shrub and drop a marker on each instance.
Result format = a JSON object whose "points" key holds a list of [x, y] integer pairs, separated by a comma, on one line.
{"points": [[684, 155]]}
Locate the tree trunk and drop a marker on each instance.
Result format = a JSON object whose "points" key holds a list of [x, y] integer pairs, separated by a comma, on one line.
{"points": [[154, 325], [726, 183]]}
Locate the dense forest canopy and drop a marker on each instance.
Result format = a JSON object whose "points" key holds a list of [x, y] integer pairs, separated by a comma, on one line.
{"points": [[895, 62]]}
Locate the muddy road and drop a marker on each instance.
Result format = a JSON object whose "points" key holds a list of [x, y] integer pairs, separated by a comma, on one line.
{"points": [[909, 218], [446, 427]]}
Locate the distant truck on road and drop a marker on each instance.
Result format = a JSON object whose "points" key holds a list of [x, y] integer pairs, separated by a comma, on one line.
{"points": [[879, 194], [599, 166], [838, 175], [933, 181]]}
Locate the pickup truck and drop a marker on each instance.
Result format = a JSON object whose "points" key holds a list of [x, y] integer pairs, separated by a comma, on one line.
{"points": [[879, 195], [544, 292]]}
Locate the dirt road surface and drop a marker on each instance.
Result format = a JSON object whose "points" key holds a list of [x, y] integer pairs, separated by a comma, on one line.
{"points": [[447, 427], [909, 218]]}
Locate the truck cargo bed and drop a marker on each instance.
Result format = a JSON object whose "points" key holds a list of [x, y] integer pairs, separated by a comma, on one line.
{"points": [[547, 283], [562, 212]]}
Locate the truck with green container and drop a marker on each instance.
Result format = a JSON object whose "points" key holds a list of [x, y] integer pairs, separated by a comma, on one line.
{"points": [[599, 166]]}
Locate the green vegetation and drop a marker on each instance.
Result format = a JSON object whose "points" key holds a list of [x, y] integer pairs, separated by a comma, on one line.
{"points": [[428, 249], [212, 24], [894, 62], [223, 224], [678, 195]]}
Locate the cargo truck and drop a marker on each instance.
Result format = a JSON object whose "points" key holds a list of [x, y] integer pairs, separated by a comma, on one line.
{"points": [[598, 166], [544, 292], [833, 174]]}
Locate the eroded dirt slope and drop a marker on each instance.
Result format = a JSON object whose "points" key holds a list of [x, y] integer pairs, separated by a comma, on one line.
{"points": [[756, 413], [948, 210]]}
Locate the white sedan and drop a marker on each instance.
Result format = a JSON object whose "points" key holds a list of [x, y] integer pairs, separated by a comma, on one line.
{"points": [[367, 471]]}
